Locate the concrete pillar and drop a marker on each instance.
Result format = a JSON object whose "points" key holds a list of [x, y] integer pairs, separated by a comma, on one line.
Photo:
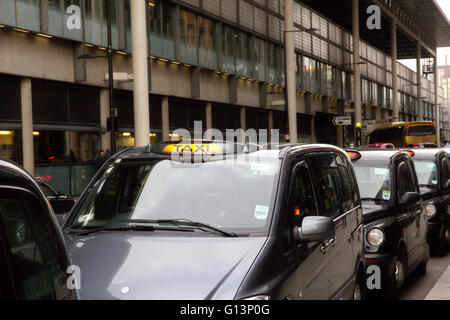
{"points": [[356, 61], [243, 122], [165, 118], [104, 115], [209, 123], [436, 102], [394, 70], [290, 69], [138, 10], [27, 125], [419, 82]]}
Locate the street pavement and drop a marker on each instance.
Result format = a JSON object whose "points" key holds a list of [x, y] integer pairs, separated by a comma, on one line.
{"points": [[435, 285]]}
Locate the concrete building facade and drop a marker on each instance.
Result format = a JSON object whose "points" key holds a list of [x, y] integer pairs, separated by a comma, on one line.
{"points": [[216, 61]]}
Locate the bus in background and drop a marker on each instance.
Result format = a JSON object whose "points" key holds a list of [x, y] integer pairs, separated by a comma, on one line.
{"points": [[402, 134]]}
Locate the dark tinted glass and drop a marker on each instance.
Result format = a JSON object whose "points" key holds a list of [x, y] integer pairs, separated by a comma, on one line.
{"points": [[419, 131], [405, 180], [9, 99], [328, 184], [386, 135], [35, 250], [301, 200]]}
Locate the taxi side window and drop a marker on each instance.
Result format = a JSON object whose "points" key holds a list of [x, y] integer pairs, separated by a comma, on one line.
{"points": [[301, 197], [405, 180], [349, 196], [445, 164], [33, 247], [327, 183]]}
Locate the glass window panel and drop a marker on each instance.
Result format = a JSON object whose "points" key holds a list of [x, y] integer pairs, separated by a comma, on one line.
{"points": [[271, 63], [114, 27], [28, 14], [69, 31], [93, 22], [229, 10], [228, 49], [8, 12], [188, 37], [259, 63], [243, 55], [11, 145], [155, 30], [168, 34], [207, 43], [55, 18]]}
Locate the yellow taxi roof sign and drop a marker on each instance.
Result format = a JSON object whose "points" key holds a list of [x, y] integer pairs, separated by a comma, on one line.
{"points": [[193, 148]]}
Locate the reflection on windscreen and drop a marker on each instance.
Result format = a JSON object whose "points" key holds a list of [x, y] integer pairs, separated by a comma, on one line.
{"points": [[426, 173], [229, 194], [374, 182]]}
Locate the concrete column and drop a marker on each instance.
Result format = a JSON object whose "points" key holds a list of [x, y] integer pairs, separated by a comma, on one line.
{"points": [[356, 60], [436, 102], [27, 125], [165, 118], [243, 122], [290, 69], [138, 10], [394, 70], [104, 115], [209, 123], [419, 82]]}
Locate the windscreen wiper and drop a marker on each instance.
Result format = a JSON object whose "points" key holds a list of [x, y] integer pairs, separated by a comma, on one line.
{"points": [[185, 222], [85, 232]]}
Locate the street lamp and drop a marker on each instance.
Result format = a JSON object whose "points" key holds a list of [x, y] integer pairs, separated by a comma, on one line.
{"points": [[112, 109]]}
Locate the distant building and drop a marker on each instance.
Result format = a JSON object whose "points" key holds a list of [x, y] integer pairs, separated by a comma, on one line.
{"points": [[217, 61]]}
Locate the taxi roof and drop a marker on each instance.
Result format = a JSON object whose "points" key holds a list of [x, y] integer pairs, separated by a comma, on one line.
{"points": [[377, 155], [426, 154], [268, 151]]}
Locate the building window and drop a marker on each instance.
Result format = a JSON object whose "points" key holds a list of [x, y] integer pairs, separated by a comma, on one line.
{"points": [[74, 34], [114, 26], [93, 20], [271, 64], [207, 43], [228, 49], [11, 145], [28, 14], [259, 71], [161, 31], [243, 64], [188, 37]]}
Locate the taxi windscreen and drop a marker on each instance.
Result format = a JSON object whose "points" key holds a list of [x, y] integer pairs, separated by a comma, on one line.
{"points": [[374, 182], [232, 194]]}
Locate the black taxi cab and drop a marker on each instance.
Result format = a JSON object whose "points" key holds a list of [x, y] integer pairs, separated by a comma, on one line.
{"points": [[433, 171], [33, 258], [195, 220], [395, 220]]}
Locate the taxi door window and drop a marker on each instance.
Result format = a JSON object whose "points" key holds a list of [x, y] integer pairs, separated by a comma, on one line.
{"points": [[327, 183], [34, 248], [349, 196], [405, 180], [301, 199], [445, 163]]}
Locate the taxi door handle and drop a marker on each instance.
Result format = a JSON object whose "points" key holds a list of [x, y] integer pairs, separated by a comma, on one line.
{"points": [[324, 247]]}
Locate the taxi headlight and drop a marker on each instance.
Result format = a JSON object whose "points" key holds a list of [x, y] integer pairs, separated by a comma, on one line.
{"points": [[430, 209], [375, 237]]}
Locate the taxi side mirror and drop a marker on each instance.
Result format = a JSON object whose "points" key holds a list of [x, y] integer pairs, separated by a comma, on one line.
{"points": [[410, 198], [315, 229]]}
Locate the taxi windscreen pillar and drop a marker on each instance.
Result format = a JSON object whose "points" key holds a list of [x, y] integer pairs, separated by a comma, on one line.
{"points": [[27, 125]]}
